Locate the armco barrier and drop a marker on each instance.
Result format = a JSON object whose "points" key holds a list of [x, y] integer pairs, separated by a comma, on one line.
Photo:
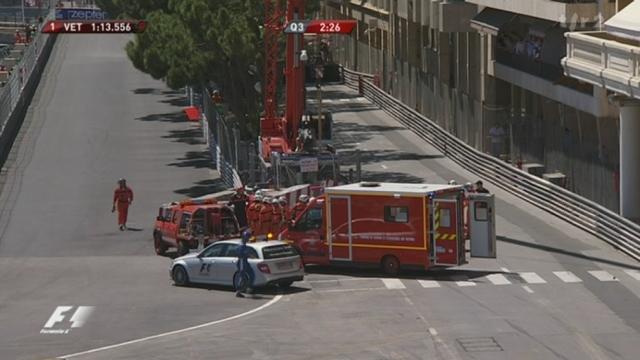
{"points": [[584, 214], [16, 94]]}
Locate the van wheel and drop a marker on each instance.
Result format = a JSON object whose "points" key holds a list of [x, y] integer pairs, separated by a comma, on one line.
{"points": [[161, 247], [180, 276], [183, 248], [390, 265]]}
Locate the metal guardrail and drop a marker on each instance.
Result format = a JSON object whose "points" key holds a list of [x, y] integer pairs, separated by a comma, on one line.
{"points": [[20, 73], [587, 215]]}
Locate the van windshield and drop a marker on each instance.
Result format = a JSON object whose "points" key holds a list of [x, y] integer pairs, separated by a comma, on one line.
{"points": [[278, 251]]}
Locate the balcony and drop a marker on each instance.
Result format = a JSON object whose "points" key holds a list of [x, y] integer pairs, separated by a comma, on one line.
{"points": [[605, 60], [556, 11]]}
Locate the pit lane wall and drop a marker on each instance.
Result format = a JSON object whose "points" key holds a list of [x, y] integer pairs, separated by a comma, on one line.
{"points": [[18, 90]]}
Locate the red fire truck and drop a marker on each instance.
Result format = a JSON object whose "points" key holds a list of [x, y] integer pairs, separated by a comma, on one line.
{"points": [[393, 226], [187, 224]]}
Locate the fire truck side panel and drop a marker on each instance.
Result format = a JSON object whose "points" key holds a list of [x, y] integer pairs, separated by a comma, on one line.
{"points": [[379, 225], [339, 226]]}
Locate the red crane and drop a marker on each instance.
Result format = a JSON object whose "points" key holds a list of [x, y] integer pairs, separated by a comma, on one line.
{"points": [[278, 134]]}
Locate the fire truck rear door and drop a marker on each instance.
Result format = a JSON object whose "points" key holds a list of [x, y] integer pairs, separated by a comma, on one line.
{"points": [[445, 238], [339, 228]]}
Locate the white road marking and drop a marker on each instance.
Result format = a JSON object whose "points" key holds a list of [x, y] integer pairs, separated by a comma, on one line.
{"points": [[350, 290], [504, 269], [340, 280], [393, 284], [429, 283], [602, 275], [170, 333], [567, 276], [463, 281], [527, 289], [532, 278], [633, 273], [498, 279], [433, 332], [383, 166]]}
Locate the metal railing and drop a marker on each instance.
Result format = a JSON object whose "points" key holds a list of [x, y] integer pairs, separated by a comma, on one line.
{"points": [[11, 90], [587, 215]]}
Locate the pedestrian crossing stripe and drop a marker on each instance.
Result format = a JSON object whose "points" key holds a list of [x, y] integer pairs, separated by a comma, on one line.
{"points": [[498, 279]]}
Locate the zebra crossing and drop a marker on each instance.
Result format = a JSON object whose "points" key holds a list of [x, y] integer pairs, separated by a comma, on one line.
{"points": [[465, 281]]}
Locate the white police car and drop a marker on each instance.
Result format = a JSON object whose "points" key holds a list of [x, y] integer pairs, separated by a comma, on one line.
{"points": [[273, 263]]}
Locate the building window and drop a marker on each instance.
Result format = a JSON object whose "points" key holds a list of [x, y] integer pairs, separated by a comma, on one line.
{"points": [[396, 214]]}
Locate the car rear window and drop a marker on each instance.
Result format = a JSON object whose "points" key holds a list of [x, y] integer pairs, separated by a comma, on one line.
{"points": [[278, 251]]}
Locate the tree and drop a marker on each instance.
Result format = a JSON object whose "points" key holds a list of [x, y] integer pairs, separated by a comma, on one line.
{"points": [[193, 42]]}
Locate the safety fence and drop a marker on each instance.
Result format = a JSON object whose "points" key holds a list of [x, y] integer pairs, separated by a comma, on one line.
{"points": [[17, 90], [226, 149], [585, 214]]}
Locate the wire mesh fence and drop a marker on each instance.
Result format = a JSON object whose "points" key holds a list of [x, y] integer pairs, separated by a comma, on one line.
{"points": [[18, 75]]}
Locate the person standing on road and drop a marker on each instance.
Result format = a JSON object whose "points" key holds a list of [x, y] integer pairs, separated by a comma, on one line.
{"points": [[276, 217], [299, 207], [122, 198], [266, 215], [243, 283], [239, 202]]}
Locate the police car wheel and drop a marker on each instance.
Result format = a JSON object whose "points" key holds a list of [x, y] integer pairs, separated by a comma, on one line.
{"points": [[183, 248], [390, 265], [180, 276]]}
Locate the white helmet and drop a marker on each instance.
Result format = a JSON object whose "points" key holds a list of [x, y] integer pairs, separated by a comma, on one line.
{"points": [[282, 200], [267, 199], [304, 198], [275, 201], [452, 182], [258, 197]]}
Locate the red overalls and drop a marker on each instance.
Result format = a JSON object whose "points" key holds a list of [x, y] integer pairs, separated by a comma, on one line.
{"points": [[122, 198]]}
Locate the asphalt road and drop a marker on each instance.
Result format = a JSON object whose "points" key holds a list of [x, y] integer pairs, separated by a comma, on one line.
{"points": [[94, 119], [553, 293]]}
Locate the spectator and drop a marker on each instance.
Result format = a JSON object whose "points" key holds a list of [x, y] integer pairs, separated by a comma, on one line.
{"points": [[480, 189]]}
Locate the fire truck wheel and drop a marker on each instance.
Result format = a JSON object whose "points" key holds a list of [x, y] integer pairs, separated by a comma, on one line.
{"points": [[161, 247], [180, 276], [183, 248], [390, 265]]}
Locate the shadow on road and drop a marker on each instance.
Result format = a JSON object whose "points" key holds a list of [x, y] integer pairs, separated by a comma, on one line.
{"points": [[258, 293], [194, 159], [156, 91], [564, 252], [134, 229], [178, 101], [440, 274], [203, 187], [165, 117], [192, 136]]}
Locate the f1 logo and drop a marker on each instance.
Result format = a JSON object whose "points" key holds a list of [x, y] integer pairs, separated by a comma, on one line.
{"points": [[78, 319]]}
